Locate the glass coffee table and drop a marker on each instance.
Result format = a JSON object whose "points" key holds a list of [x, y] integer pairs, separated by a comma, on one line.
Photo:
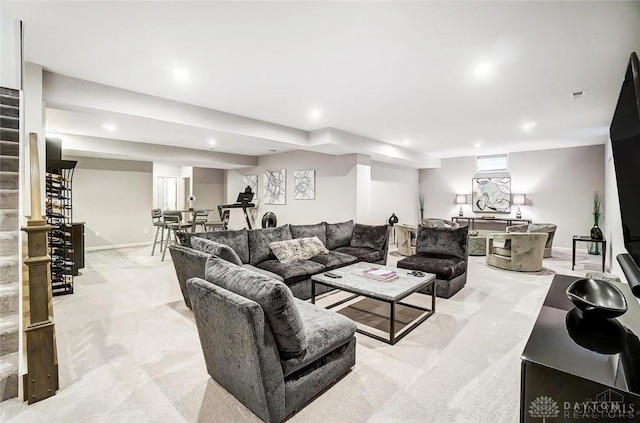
{"points": [[391, 293]]}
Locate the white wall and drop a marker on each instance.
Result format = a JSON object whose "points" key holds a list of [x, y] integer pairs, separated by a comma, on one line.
{"points": [[394, 189], [347, 187], [33, 122], [559, 186], [335, 188], [209, 189], [10, 53], [114, 198], [613, 220]]}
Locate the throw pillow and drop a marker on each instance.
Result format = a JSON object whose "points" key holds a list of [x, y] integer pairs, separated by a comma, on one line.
{"points": [[297, 249], [220, 250], [313, 245], [339, 234], [287, 251], [369, 236], [273, 296]]}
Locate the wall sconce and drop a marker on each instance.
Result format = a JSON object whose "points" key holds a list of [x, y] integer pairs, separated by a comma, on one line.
{"points": [[519, 200], [461, 199]]}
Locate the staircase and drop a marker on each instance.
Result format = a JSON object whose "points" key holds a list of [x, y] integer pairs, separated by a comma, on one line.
{"points": [[9, 264]]}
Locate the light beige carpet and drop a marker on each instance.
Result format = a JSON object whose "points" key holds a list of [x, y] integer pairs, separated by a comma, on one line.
{"points": [[129, 352]]}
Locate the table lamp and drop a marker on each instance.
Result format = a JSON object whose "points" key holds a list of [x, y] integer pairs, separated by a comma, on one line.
{"points": [[519, 200], [461, 199]]}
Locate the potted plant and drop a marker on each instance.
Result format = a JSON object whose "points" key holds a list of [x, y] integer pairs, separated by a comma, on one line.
{"points": [[596, 232]]}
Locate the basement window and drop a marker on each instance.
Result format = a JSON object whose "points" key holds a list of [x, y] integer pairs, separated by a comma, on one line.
{"points": [[495, 163]]}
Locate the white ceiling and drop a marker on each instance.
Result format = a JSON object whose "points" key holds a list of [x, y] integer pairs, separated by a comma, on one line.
{"points": [[385, 70]]}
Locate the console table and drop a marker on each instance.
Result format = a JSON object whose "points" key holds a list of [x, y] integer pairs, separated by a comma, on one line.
{"points": [[471, 220], [580, 370]]}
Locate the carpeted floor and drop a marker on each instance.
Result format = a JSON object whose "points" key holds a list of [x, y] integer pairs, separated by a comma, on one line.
{"points": [[129, 352]]}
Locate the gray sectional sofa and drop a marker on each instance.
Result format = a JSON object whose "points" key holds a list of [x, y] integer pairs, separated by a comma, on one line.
{"points": [[272, 351], [347, 242]]}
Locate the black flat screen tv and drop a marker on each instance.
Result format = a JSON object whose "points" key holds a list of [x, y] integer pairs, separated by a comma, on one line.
{"points": [[625, 144]]}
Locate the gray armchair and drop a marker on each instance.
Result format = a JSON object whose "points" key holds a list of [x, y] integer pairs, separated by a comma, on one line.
{"points": [[271, 351], [442, 251], [521, 252], [548, 228]]}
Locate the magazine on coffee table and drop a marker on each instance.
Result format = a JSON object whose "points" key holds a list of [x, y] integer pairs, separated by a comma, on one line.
{"points": [[378, 274]]}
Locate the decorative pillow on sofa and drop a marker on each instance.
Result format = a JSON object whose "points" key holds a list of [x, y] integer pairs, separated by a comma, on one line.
{"points": [[273, 296], [309, 231], [339, 234], [297, 249], [220, 250], [369, 236], [259, 240]]}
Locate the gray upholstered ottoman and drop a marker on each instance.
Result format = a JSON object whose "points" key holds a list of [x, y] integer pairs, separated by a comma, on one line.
{"points": [[477, 245]]}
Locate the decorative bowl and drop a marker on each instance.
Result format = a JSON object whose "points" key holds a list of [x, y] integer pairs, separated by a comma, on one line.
{"points": [[597, 299]]}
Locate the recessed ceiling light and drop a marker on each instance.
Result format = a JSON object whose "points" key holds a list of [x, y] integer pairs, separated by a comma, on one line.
{"points": [[211, 141], [477, 144], [483, 69], [181, 75], [108, 126], [315, 114], [528, 126], [272, 151], [406, 141]]}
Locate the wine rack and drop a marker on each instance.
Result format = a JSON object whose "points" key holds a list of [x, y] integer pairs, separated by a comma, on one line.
{"points": [[59, 213]]}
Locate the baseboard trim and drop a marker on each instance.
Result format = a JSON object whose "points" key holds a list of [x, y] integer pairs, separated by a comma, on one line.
{"points": [[115, 246]]}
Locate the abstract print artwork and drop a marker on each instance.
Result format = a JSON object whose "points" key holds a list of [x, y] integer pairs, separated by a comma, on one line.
{"points": [[250, 181], [304, 184], [492, 194], [275, 184]]}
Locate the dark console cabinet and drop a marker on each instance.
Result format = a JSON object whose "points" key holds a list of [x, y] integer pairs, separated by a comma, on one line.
{"points": [[77, 236], [579, 370]]}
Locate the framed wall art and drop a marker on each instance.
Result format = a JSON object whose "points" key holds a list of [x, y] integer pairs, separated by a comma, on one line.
{"points": [[304, 184], [252, 182], [491, 194], [275, 186]]}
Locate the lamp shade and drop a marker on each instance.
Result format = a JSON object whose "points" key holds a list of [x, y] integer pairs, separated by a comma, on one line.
{"points": [[461, 199], [519, 199]]}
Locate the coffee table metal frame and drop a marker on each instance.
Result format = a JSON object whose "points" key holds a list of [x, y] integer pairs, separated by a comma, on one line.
{"points": [[393, 335]]}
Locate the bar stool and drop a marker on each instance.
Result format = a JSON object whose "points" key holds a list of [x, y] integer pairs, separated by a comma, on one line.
{"points": [[200, 218], [220, 225], [173, 222], [158, 222]]}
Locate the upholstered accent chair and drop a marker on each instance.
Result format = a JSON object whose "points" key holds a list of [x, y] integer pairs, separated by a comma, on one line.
{"points": [[521, 252], [442, 251], [272, 351], [548, 228], [406, 239]]}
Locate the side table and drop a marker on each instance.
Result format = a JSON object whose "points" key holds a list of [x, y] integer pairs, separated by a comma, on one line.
{"points": [[584, 238]]}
